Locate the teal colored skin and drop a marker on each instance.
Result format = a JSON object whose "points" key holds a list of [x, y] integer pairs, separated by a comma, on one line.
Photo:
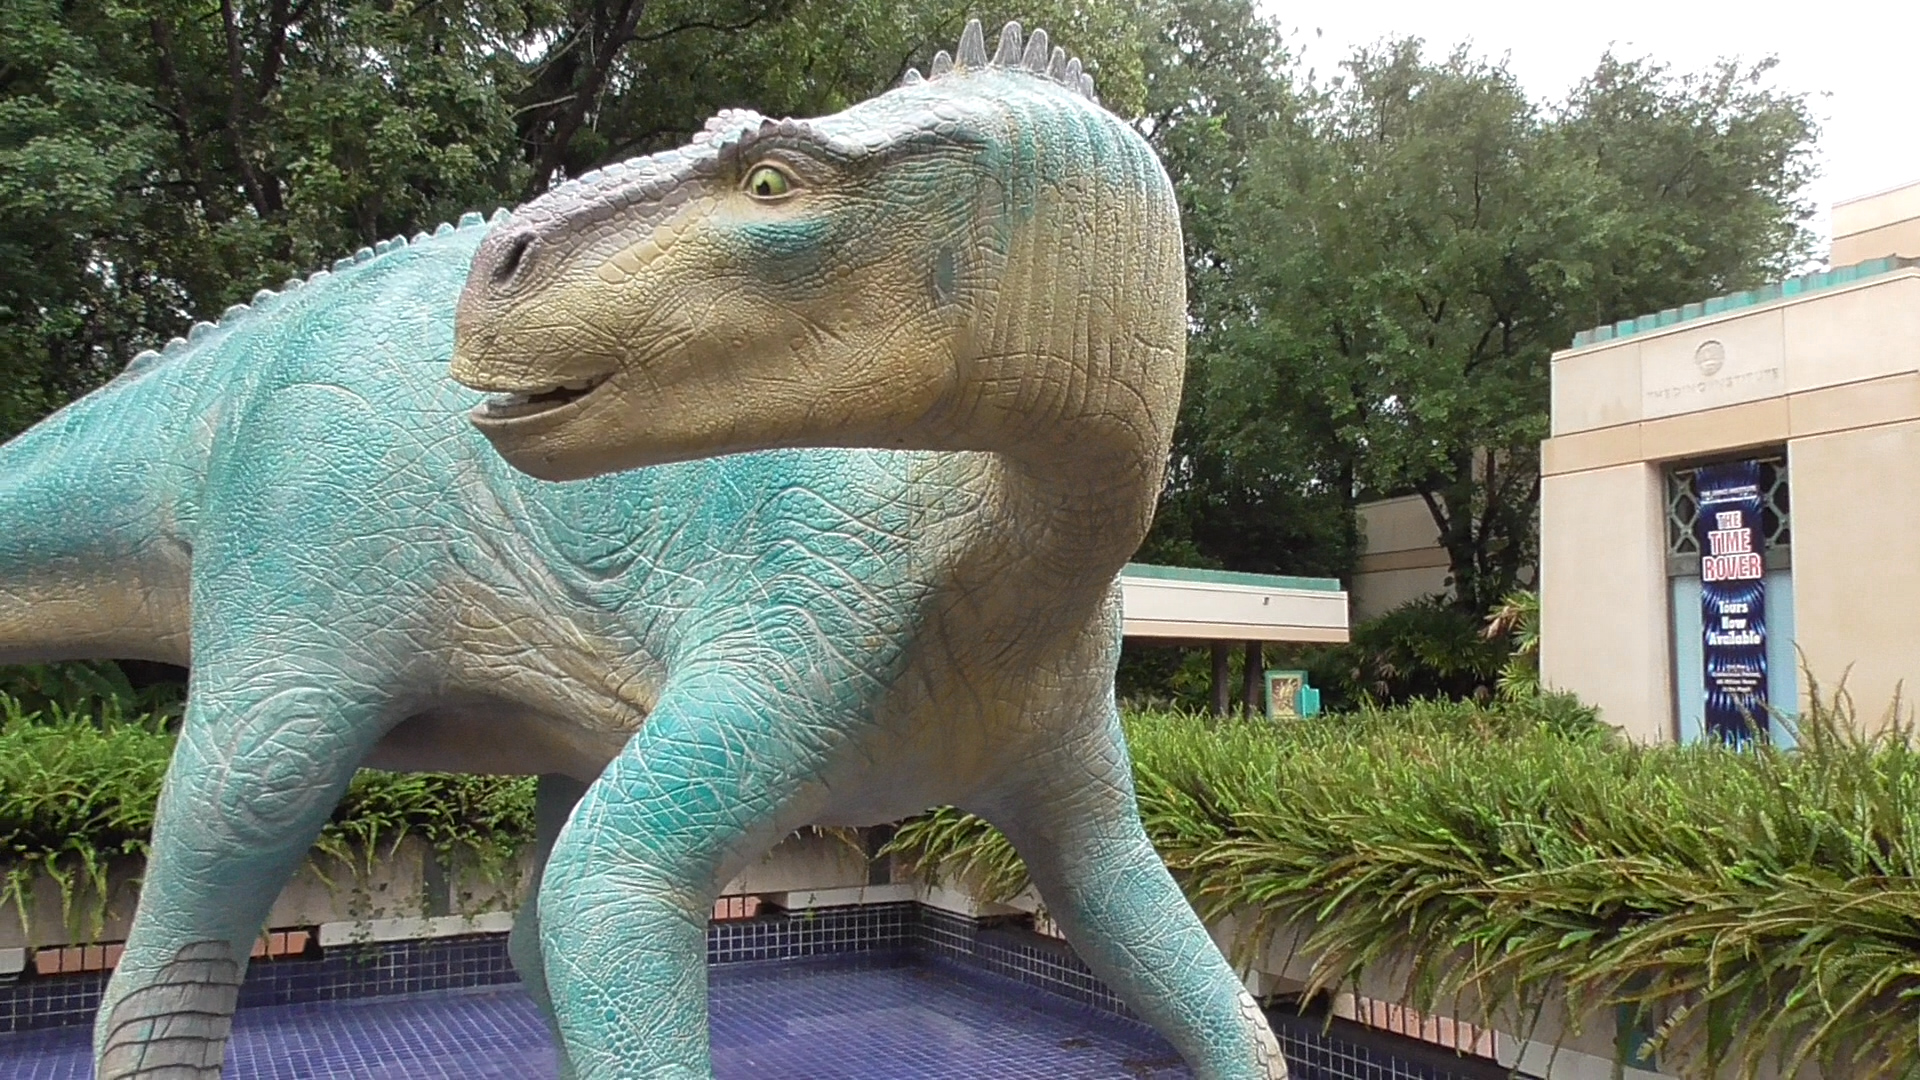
{"points": [[696, 658]]}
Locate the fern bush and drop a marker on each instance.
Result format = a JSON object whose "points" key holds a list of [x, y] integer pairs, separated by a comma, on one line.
{"points": [[78, 789], [1752, 904], [1424, 648]]}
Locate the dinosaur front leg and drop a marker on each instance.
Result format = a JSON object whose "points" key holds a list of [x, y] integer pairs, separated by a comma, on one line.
{"points": [[1076, 824], [709, 782], [263, 757], [554, 800]]}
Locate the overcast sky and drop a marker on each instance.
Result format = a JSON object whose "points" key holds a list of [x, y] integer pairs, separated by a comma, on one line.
{"points": [[1860, 61]]}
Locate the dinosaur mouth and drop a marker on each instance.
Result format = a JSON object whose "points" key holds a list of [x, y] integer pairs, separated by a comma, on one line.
{"points": [[522, 404]]}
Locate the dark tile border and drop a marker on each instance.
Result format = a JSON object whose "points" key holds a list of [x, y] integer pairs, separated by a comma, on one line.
{"points": [[780, 935], [1322, 1048], [378, 969], [1316, 1048], [345, 971]]}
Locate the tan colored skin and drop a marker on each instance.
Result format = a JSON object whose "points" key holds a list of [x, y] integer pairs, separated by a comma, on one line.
{"points": [[1031, 332], [1068, 419], [97, 617]]}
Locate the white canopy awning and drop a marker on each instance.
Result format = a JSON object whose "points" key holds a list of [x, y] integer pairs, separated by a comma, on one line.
{"points": [[1220, 605]]}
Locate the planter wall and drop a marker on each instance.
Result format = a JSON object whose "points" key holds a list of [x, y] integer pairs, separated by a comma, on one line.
{"points": [[406, 884], [409, 896]]}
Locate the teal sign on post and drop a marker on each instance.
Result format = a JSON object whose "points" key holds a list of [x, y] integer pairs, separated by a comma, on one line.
{"points": [[1289, 696]]}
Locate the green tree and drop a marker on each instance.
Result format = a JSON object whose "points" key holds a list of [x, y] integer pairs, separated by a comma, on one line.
{"points": [[1400, 265], [161, 160], [1218, 88], [77, 154]]}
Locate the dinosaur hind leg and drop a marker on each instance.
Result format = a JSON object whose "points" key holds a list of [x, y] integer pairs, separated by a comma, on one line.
{"points": [[1076, 824], [261, 761], [555, 800]]}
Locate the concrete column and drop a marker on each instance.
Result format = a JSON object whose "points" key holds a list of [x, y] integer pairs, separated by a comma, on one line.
{"points": [[1603, 595], [1856, 563], [1251, 678], [1222, 672]]}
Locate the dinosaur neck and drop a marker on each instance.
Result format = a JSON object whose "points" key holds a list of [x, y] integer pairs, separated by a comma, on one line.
{"points": [[1072, 368], [91, 562], [1079, 524]]}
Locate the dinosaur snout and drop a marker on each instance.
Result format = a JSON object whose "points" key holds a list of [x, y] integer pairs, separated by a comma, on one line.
{"points": [[505, 259], [498, 279]]}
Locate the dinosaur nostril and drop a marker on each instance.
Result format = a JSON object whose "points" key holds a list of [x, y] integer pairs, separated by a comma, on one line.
{"points": [[515, 255]]}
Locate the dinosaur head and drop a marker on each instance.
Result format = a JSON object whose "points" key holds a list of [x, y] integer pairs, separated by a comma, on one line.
{"points": [[982, 259]]}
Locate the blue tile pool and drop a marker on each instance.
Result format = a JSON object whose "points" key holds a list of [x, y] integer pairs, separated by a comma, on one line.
{"points": [[857, 1019]]}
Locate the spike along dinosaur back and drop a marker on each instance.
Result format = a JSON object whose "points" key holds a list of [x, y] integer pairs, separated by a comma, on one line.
{"points": [[860, 417]]}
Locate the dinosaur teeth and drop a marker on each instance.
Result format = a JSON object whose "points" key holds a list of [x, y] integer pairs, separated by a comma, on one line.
{"points": [[519, 403]]}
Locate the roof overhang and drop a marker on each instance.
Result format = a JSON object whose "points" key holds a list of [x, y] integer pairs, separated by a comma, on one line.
{"points": [[1177, 603]]}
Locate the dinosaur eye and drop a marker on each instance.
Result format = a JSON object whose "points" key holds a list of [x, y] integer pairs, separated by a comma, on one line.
{"points": [[767, 182]]}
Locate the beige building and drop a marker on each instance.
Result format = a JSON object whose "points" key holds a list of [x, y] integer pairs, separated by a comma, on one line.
{"points": [[1818, 380], [1401, 560]]}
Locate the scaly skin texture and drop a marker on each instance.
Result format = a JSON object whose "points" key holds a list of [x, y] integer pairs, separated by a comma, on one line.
{"points": [[984, 268], [980, 272]]}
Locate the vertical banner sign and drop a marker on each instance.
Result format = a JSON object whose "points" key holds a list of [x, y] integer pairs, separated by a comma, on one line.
{"points": [[1733, 612]]}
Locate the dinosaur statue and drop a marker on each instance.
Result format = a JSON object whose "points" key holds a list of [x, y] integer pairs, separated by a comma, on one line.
{"points": [[894, 387]]}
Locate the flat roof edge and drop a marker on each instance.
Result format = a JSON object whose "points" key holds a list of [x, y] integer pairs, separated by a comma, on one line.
{"points": [[1802, 285], [1875, 194], [1154, 572]]}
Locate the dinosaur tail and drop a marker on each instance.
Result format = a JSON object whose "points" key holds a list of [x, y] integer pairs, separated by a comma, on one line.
{"points": [[87, 569]]}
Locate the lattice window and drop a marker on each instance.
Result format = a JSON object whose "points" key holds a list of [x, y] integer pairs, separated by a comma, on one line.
{"points": [[1683, 510]]}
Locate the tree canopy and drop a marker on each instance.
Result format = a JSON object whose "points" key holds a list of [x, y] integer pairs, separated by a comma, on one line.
{"points": [[1389, 263], [1380, 264]]}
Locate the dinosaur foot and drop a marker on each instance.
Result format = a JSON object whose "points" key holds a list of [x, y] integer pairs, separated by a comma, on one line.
{"points": [[175, 1027]]}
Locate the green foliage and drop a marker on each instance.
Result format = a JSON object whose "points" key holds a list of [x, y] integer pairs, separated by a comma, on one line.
{"points": [[78, 790], [74, 795], [1383, 268], [476, 825], [89, 689], [1752, 902], [1424, 648], [1517, 618]]}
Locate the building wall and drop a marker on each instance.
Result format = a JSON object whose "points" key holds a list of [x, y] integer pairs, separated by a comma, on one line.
{"points": [[1856, 546], [1603, 594], [1877, 226], [1402, 559], [1832, 375]]}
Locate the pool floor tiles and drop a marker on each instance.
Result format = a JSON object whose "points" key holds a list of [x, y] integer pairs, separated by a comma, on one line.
{"points": [[838, 1019]]}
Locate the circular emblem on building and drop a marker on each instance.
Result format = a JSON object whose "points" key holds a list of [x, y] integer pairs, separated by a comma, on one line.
{"points": [[1709, 356]]}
